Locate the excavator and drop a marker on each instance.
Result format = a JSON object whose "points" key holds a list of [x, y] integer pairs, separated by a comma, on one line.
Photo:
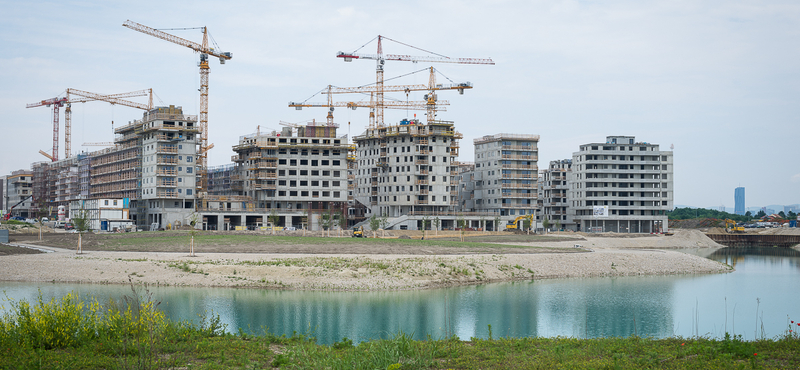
{"points": [[730, 226], [512, 225], [8, 215]]}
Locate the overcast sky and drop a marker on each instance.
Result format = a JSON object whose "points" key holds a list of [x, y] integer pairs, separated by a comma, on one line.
{"points": [[716, 79]]}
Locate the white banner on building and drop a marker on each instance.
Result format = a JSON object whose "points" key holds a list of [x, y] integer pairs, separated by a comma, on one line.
{"points": [[600, 211]]}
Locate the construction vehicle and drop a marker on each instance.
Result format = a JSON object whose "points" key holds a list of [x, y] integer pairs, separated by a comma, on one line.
{"points": [[7, 216], [512, 225], [358, 232], [731, 227]]}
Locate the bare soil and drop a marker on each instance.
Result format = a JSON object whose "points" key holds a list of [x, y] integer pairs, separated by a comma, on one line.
{"points": [[8, 250]]}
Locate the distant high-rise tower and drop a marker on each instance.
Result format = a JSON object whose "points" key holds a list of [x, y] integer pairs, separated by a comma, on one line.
{"points": [[739, 199]]}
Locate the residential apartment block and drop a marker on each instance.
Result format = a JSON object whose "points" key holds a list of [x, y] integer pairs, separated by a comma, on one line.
{"points": [[408, 169], [621, 185], [554, 199], [18, 189], [506, 174]]}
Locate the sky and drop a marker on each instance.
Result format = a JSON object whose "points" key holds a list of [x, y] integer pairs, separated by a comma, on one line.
{"points": [[719, 80]]}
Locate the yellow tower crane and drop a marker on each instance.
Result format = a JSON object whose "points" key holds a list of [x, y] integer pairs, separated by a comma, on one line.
{"points": [[381, 58], [204, 51]]}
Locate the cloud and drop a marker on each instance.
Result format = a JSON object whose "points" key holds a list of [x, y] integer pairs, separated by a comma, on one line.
{"points": [[795, 178]]}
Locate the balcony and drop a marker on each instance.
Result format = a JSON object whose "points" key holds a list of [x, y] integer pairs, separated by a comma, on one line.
{"points": [[519, 186], [167, 148], [166, 161], [422, 182], [167, 183], [520, 157], [265, 164], [519, 147], [166, 194], [264, 186], [514, 166], [519, 176], [236, 158], [421, 161], [166, 172], [520, 195], [263, 175]]}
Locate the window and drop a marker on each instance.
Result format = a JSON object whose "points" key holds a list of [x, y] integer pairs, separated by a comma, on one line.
{"points": [[293, 183], [188, 170], [303, 183], [188, 158]]}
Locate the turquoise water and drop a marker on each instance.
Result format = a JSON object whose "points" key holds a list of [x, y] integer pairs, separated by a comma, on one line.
{"points": [[753, 301]]}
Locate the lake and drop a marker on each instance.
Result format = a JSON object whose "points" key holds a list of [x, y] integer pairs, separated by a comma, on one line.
{"points": [[756, 300]]}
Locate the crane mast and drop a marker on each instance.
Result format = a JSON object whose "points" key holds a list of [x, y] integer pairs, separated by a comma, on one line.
{"points": [[56, 103]]}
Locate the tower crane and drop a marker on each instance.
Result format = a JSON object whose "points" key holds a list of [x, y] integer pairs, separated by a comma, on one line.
{"points": [[56, 103], [381, 58], [431, 99], [330, 90], [204, 51], [83, 97]]}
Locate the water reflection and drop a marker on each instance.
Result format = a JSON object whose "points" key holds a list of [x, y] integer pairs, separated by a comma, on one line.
{"points": [[658, 306]]}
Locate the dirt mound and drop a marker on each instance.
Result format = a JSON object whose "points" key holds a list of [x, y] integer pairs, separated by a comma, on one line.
{"points": [[693, 237]]}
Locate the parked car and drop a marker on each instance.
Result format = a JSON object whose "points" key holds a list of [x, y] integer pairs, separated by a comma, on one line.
{"points": [[69, 227]]}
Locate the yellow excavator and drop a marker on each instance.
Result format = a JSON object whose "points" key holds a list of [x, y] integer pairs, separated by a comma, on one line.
{"points": [[730, 226], [512, 225], [358, 232]]}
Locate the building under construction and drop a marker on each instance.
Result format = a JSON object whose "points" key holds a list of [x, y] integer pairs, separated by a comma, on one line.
{"points": [[408, 170], [293, 177]]}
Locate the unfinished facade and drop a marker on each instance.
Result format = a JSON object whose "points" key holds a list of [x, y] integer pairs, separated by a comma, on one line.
{"points": [[286, 175], [554, 188], [621, 185], [18, 189], [408, 169], [506, 173]]}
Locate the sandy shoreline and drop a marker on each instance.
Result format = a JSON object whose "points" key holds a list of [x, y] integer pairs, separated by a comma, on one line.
{"points": [[603, 257]]}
